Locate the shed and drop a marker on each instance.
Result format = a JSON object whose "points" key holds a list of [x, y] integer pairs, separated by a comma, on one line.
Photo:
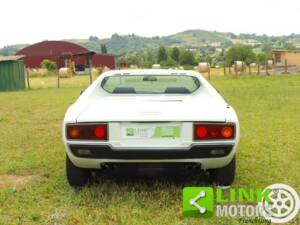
{"points": [[12, 73], [292, 57]]}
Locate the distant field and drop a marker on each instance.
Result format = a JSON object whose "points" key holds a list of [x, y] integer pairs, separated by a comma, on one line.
{"points": [[34, 190]]}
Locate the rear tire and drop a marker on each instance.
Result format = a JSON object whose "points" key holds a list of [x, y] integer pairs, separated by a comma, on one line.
{"points": [[224, 176], [77, 177]]}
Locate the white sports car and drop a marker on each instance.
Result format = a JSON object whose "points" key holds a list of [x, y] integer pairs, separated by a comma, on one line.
{"points": [[150, 117]]}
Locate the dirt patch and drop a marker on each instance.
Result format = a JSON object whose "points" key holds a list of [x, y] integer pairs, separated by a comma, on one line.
{"points": [[13, 181]]}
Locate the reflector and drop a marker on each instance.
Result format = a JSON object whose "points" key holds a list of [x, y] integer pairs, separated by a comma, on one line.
{"points": [[227, 132], [74, 132]]}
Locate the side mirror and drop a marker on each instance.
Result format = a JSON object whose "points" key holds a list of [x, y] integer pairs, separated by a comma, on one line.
{"points": [[82, 91]]}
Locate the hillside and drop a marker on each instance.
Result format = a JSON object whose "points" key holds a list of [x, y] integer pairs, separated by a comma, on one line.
{"points": [[190, 39]]}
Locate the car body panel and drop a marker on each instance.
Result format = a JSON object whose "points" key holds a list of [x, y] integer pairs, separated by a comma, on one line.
{"points": [[95, 105]]}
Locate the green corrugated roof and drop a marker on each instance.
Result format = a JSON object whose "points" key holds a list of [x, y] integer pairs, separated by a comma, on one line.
{"points": [[10, 58]]}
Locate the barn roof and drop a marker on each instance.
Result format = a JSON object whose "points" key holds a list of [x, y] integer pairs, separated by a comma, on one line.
{"points": [[52, 48]]}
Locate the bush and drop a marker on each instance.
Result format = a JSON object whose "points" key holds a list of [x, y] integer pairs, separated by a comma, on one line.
{"points": [[187, 58], [168, 63], [49, 65]]}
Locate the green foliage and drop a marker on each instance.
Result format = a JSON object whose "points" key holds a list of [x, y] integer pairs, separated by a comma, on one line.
{"points": [[240, 52], [175, 54], [93, 38], [187, 58], [11, 49], [289, 46], [99, 70], [49, 65], [169, 63], [266, 48], [261, 57], [103, 49], [162, 54]]}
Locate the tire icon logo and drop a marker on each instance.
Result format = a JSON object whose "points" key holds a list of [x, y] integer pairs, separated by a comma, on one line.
{"points": [[283, 204]]}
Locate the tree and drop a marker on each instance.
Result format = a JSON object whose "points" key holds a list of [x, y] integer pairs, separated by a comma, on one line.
{"points": [[261, 58], [49, 65], [103, 49], [289, 46], [169, 62], [150, 57], [175, 54], [266, 47], [239, 52], [162, 54], [93, 38], [187, 58]]}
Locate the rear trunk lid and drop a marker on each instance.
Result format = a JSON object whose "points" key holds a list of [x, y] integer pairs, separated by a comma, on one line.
{"points": [[154, 108], [152, 121]]}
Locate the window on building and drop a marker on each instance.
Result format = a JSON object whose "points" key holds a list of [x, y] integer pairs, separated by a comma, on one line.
{"points": [[277, 58]]}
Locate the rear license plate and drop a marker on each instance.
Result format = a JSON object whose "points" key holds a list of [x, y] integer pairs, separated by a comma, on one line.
{"points": [[132, 130]]}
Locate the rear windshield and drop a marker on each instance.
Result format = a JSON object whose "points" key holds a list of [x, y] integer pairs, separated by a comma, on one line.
{"points": [[150, 84]]}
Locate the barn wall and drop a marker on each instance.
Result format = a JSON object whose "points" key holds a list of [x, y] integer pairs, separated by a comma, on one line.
{"points": [[104, 60], [35, 61]]}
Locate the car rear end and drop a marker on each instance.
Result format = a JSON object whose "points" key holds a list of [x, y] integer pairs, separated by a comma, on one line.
{"points": [[178, 128]]}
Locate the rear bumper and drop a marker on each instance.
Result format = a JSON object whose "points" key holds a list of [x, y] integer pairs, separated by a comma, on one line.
{"points": [[106, 152]]}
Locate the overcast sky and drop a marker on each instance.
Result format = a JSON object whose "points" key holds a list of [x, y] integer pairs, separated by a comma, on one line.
{"points": [[30, 21]]}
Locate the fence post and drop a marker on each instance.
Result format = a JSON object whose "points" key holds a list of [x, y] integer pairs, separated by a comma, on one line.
{"points": [[229, 69], [27, 78], [285, 66], [91, 68], [267, 68], [258, 68], [58, 81], [235, 69]]}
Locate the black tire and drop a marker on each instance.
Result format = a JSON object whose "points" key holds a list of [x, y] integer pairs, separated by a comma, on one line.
{"points": [[77, 177], [224, 176]]}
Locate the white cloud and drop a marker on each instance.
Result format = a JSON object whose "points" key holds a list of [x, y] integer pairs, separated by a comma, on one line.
{"points": [[31, 21]]}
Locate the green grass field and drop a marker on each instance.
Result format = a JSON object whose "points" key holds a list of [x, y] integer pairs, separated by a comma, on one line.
{"points": [[32, 155]]}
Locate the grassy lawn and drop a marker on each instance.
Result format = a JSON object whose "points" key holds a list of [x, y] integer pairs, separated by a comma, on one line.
{"points": [[31, 152]]}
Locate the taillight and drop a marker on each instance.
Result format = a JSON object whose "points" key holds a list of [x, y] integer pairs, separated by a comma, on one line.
{"points": [[208, 131], [87, 131]]}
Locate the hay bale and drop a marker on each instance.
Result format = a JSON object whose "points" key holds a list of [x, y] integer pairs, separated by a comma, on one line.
{"points": [[240, 66], [156, 66], [270, 64], [133, 67], [65, 72], [203, 67]]}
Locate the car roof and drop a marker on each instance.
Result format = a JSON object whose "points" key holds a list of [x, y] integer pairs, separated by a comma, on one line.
{"points": [[150, 72]]}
